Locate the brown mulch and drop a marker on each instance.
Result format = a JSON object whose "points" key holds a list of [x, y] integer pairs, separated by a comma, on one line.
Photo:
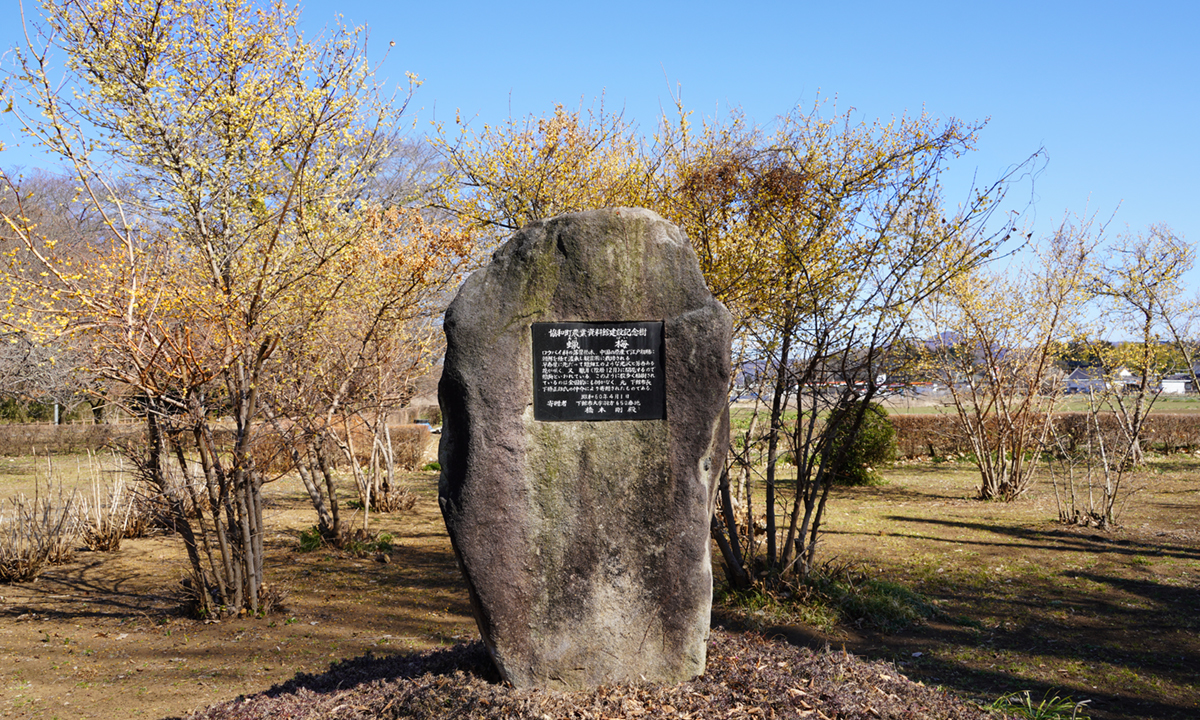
{"points": [[747, 677]]}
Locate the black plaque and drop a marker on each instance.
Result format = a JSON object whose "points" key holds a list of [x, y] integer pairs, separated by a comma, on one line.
{"points": [[597, 371]]}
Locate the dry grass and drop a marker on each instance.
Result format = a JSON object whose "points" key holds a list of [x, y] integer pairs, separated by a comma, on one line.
{"points": [[110, 514], [105, 636], [37, 531]]}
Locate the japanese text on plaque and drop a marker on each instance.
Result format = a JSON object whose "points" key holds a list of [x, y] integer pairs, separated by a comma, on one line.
{"points": [[598, 371]]}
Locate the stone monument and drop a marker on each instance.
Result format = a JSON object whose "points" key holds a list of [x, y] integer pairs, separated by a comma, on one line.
{"points": [[584, 429]]}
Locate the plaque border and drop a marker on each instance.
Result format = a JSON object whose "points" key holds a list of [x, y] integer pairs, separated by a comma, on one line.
{"points": [[659, 412]]}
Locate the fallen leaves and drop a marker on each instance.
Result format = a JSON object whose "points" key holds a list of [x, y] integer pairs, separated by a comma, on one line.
{"points": [[748, 678]]}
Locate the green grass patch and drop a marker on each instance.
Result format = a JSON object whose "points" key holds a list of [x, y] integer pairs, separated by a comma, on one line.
{"points": [[311, 540], [886, 605], [1054, 707], [833, 594], [358, 543], [760, 607]]}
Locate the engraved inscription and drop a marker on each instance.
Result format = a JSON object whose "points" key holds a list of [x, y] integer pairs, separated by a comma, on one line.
{"points": [[598, 371]]}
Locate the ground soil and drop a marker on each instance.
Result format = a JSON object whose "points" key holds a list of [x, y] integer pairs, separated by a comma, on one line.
{"points": [[1024, 603], [105, 636]]}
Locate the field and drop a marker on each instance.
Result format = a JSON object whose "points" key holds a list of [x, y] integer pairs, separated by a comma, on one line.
{"points": [[1023, 603], [1068, 403]]}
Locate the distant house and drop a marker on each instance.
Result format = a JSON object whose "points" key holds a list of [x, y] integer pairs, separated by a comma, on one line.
{"points": [[1124, 380], [1178, 384], [749, 382], [1093, 379], [1085, 380]]}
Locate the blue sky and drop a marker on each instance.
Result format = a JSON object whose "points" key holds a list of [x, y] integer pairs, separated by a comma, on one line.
{"points": [[1110, 90]]}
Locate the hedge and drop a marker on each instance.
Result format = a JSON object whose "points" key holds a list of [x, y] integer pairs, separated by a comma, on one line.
{"points": [[940, 435], [48, 438], [409, 442]]}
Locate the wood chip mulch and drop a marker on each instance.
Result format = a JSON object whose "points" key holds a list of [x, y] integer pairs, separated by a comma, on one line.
{"points": [[747, 677]]}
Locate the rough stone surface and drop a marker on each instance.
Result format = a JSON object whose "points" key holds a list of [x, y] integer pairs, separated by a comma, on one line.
{"points": [[585, 545]]}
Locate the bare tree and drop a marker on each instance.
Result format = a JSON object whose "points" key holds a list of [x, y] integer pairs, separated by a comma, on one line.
{"points": [[1091, 467], [1141, 288], [226, 158], [44, 368], [997, 350], [850, 223]]}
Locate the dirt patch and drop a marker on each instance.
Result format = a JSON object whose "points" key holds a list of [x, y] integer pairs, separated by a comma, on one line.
{"points": [[103, 637]]}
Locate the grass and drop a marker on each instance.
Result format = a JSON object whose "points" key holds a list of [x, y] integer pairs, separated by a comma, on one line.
{"points": [[1025, 603], [991, 600], [358, 544], [832, 595], [1021, 705], [1068, 403], [26, 473], [996, 599]]}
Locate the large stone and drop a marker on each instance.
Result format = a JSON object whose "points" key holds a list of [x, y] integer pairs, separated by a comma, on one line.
{"points": [[585, 545]]}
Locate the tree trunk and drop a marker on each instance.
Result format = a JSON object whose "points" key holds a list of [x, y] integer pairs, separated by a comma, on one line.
{"points": [[778, 408]]}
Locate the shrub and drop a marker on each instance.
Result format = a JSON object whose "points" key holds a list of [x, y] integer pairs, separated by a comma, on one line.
{"points": [[874, 444], [34, 533], [40, 439], [149, 511], [938, 435], [395, 499], [408, 444], [108, 518], [1172, 432]]}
